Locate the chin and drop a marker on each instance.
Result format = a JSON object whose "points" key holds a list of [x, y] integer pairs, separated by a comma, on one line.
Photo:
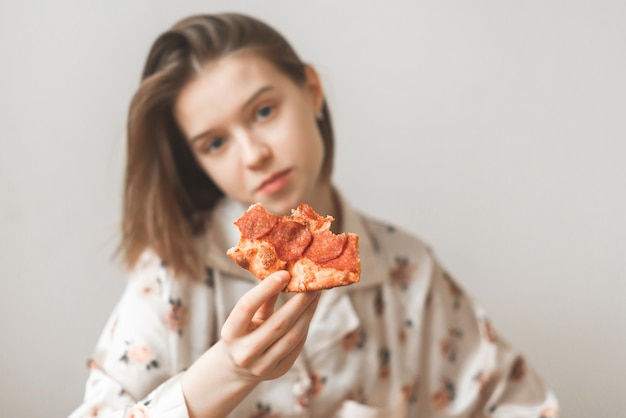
{"points": [[280, 209], [283, 206]]}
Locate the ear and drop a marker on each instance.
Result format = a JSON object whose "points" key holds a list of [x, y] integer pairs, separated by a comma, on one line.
{"points": [[314, 87]]}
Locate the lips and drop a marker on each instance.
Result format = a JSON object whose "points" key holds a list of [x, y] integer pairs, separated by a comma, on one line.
{"points": [[274, 182]]}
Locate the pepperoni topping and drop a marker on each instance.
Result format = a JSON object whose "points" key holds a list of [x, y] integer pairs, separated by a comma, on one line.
{"points": [[290, 239], [326, 246], [256, 222], [349, 259]]}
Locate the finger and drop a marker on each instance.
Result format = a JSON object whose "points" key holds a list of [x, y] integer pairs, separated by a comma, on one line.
{"points": [[283, 320], [237, 322], [299, 328], [286, 349], [287, 361], [270, 367], [266, 310]]}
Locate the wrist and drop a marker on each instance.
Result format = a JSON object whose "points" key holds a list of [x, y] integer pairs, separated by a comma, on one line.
{"points": [[212, 386]]}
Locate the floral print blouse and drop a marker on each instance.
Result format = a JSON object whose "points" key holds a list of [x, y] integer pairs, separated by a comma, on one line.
{"points": [[406, 341]]}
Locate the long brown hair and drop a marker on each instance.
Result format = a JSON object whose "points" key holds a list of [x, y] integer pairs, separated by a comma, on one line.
{"points": [[166, 192]]}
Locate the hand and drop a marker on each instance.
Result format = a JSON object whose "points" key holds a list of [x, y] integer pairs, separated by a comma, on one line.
{"points": [[262, 343], [257, 344]]}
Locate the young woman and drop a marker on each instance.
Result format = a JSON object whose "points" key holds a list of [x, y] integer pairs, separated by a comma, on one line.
{"points": [[227, 115]]}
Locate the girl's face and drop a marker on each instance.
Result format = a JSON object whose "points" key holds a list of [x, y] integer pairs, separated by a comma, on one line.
{"points": [[254, 131]]}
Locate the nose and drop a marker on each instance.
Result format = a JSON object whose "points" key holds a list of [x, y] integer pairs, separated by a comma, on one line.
{"points": [[255, 150]]}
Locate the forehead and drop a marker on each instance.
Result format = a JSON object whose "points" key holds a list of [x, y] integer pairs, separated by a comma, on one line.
{"points": [[222, 86], [239, 65], [234, 76]]}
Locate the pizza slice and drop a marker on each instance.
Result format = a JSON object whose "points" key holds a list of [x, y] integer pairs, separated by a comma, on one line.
{"points": [[301, 243]]}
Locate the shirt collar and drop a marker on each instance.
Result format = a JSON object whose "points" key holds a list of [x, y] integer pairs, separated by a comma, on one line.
{"points": [[221, 235]]}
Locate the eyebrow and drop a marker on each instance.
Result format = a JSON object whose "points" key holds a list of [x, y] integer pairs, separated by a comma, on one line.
{"points": [[252, 98]]}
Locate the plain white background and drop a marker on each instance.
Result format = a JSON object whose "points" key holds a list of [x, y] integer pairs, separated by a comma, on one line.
{"points": [[495, 130]]}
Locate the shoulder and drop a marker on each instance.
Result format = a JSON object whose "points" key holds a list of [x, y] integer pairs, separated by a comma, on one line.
{"points": [[152, 276], [148, 261], [402, 258]]}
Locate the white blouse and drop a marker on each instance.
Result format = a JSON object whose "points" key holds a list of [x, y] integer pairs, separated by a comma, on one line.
{"points": [[406, 341]]}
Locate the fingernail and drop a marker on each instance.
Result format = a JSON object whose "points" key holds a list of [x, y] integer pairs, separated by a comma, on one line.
{"points": [[281, 276]]}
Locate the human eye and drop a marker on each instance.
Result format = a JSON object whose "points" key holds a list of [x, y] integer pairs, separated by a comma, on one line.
{"points": [[213, 145], [264, 112]]}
